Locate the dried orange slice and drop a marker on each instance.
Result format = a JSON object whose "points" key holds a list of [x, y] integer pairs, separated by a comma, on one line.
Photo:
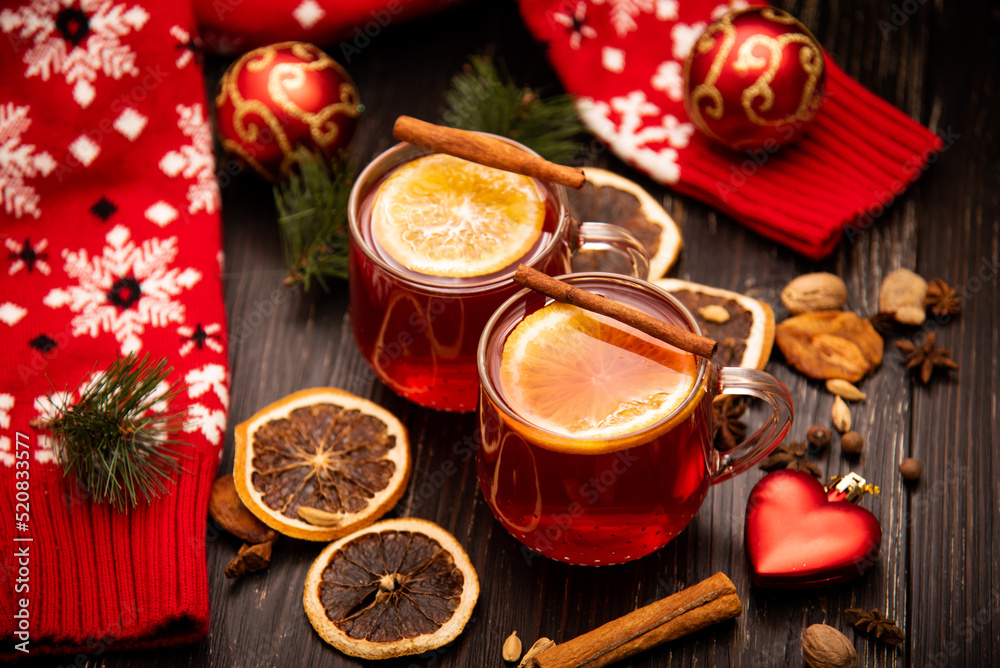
{"points": [[396, 588], [583, 375], [444, 216], [321, 463], [745, 337], [610, 198]]}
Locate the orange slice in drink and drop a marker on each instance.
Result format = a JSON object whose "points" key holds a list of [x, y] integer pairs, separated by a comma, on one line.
{"points": [[444, 216], [585, 376]]}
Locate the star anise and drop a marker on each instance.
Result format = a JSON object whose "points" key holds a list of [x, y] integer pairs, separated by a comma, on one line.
{"points": [[926, 357], [728, 430], [875, 623], [791, 456], [942, 300], [883, 323]]}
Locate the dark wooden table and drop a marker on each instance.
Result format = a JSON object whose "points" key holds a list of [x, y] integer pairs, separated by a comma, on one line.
{"points": [[937, 572]]}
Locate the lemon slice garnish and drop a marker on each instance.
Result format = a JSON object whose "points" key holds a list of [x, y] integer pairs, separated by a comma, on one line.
{"points": [[582, 375], [444, 216]]}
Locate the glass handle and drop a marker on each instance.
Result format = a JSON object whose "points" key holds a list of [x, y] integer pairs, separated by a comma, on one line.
{"points": [[754, 383], [607, 238]]}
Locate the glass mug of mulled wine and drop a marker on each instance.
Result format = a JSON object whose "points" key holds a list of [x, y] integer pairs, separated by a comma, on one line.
{"points": [[597, 440], [435, 241]]}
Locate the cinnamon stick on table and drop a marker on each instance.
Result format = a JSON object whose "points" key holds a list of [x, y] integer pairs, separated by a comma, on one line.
{"points": [[564, 292], [701, 605], [485, 150]]}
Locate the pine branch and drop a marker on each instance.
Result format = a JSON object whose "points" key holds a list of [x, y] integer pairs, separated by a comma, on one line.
{"points": [[312, 216], [113, 440], [482, 99]]}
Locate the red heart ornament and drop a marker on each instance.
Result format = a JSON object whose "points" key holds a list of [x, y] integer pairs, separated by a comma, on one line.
{"points": [[796, 536]]}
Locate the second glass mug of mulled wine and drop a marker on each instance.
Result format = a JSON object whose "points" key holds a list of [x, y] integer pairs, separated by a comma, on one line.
{"points": [[597, 440], [422, 286]]}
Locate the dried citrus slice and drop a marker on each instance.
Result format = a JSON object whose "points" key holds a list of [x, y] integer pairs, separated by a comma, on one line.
{"points": [[610, 198], [321, 463], [444, 216], [396, 588], [582, 375], [745, 337]]}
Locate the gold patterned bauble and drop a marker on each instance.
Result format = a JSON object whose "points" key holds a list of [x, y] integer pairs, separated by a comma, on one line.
{"points": [[279, 97], [754, 79]]}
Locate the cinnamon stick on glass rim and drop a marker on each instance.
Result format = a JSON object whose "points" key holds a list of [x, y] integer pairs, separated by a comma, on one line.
{"points": [[564, 292], [485, 150]]}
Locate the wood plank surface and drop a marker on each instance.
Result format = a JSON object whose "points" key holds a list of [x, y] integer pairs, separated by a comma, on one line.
{"points": [[937, 572]]}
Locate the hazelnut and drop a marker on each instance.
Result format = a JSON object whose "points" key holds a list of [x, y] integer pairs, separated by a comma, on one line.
{"points": [[910, 469], [852, 443], [818, 437]]}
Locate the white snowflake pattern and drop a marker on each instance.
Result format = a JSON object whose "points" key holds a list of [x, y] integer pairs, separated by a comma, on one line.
{"points": [[613, 59], [669, 78], [185, 45], [11, 313], [201, 337], [574, 24], [209, 377], [49, 407], [684, 36], [19, 161], [666, 10], [733, 6], [210, 422], [77, 39], [308, 14], [194, 160], [630, 140], [124, 289], [28, 256], [6, 405], [624, 12]]}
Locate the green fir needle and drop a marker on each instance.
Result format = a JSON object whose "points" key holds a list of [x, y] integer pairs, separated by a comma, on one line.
{"points": [[484, 100], [312, 216], [112, 438]]}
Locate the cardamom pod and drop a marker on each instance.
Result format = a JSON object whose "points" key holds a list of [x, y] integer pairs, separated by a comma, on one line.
{"points": [[845, 390], [512, 648], [320, 518], [542, 644], [841, 415], [714, 313]]}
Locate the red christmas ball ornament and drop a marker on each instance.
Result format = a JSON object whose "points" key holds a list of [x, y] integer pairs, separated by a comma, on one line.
{"points": [[754, 79], [798, 534], [279, 97]]}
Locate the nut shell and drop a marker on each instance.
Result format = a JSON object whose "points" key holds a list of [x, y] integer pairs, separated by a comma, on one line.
{"points": [[902, 294], [825, 647], [819, 291]]}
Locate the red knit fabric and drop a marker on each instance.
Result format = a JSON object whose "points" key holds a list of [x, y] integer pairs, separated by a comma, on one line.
{"points": [[111, 245], [624, 59], [236, 26]]}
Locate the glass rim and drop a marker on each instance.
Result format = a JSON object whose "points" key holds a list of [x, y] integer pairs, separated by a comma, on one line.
{"points": [[486, 382], [397, 155]]}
